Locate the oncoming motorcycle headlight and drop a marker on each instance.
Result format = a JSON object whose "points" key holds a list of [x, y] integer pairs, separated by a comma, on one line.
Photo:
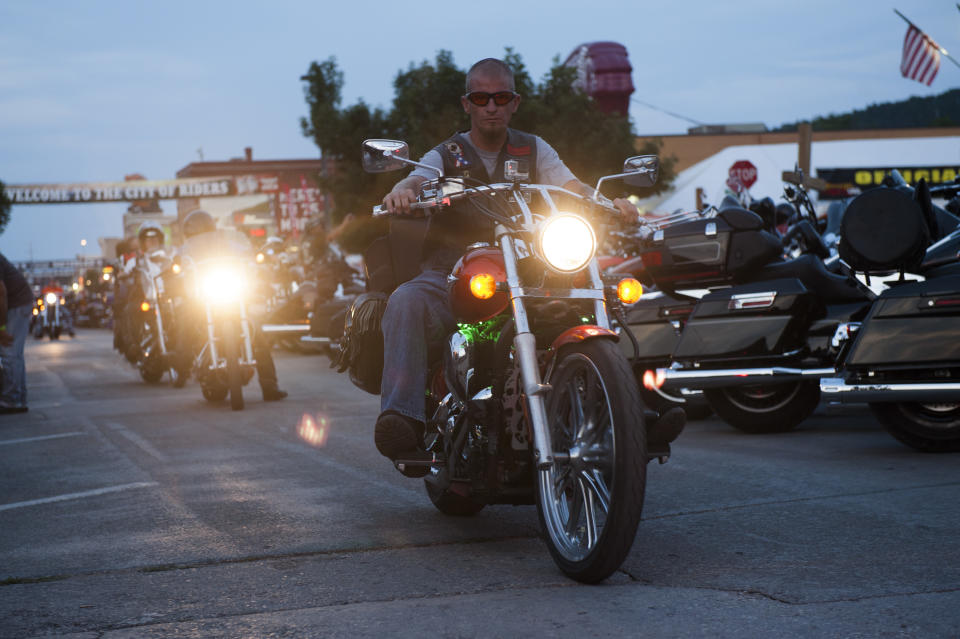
{"points": [[51, 298], [567, 242], [222, 285]]}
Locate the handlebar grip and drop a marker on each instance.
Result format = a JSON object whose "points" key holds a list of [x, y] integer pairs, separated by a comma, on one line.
{"points": [[380, 211]]}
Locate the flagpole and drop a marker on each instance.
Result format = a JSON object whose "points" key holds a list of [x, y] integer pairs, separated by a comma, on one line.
{"points": [[942, 50]]}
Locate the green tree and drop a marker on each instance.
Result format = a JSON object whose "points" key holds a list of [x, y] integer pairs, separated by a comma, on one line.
{"points": [[5, 205], [426, 110]]}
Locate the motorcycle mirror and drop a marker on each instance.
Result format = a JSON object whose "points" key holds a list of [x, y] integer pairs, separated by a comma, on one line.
{"points": [[384, 156], [639, 170], [642, 170]]}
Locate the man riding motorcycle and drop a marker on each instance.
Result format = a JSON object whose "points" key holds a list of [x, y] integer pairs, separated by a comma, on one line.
{"points": [[202, 235], [418, 315]]}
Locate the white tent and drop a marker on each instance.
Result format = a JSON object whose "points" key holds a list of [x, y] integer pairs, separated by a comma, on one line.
{"points": [[772, 160]]}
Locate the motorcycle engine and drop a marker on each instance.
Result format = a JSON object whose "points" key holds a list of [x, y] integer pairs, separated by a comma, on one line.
{"points": [[458, 365]]}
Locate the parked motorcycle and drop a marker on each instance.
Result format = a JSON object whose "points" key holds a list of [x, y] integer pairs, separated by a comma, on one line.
{"points": [[534, 401], [767, 330], [904, 357], [221, 281]]}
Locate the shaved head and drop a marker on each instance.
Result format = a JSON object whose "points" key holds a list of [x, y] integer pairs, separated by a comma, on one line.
{"points": [[490, 67]]}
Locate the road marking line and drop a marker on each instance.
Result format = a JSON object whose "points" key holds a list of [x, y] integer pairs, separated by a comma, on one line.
{"points": [[69, 496], [26, 440], [138, 441]]}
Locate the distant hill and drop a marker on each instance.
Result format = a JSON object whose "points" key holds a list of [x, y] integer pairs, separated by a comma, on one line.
{"points": [[933, 111]]}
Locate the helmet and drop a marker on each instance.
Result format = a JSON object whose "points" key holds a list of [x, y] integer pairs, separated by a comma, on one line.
{"points": [[197, 222], [150, 229]]}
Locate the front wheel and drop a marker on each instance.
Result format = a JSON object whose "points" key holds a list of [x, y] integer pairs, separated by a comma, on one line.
{"points": [[930, 428], [151, 369], [765, 408], [590, 499]]}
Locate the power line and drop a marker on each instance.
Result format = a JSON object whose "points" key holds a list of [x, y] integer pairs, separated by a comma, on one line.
{"points": [[670, 113]]}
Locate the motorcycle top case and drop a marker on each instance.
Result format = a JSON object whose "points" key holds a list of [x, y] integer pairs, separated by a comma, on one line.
{"points": [[761, 319], [710, 250], [916, 323]]}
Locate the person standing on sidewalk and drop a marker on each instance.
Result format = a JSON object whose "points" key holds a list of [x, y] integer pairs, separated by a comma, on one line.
{"points": [[16, 300]]}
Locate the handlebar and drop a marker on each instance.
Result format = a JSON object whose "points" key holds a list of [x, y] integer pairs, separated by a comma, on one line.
{"points": [[379, 210], [447, 198]]}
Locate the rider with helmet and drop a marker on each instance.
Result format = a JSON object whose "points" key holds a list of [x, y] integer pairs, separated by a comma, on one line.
{"points": [[203, 241]]}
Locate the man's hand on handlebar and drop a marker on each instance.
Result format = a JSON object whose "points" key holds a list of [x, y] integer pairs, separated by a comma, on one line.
{"points": [[403, 194], [398, 201], [630, 213]]}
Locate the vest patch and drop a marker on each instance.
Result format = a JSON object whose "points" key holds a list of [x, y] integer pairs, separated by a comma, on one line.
{"points": [[518, 150], [456, 154]]}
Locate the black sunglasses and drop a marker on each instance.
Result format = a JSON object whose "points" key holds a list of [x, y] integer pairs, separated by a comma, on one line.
{"points": [[500, 98]]}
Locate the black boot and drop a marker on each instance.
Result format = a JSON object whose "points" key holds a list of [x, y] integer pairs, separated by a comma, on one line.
{"points": [[400, 439]]}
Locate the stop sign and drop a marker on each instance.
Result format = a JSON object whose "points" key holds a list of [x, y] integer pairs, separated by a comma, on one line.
{"points": [[742, 175]]}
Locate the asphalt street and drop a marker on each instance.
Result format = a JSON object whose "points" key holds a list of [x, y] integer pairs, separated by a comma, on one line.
{"points": [[136, 510]]}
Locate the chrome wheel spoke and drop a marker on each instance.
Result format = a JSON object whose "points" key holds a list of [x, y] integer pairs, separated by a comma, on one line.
{"points": [[576, 503], [590, 524], [593, 479], [576, 417]]}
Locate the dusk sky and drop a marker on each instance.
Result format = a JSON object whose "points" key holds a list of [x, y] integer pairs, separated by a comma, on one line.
{"points": [[93, 91]]}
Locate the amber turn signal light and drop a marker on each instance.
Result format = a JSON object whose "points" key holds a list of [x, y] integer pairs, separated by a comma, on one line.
{"points": [[144, 306], [483, 286], [629, 290], [652, 380]]}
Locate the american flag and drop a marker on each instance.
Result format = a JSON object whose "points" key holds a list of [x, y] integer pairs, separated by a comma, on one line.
{"points": [[921, 56]]}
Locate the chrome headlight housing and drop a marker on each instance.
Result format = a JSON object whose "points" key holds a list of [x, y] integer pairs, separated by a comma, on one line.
{"points": [[566, 242]]}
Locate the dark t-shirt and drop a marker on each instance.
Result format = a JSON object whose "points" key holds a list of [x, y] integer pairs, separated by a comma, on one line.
{"points": [[18, 291]]}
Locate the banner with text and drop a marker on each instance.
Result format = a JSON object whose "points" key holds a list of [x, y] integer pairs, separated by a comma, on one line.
{"points": [[99, 192], [843, 183]]}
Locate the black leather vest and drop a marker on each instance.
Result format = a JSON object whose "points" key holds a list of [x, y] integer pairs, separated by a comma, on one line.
{"points": [[451, 231]]}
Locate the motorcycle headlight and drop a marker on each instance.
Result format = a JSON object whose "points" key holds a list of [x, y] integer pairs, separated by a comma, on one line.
{"points": [[223, 285], [51, 298], [567, 242]]}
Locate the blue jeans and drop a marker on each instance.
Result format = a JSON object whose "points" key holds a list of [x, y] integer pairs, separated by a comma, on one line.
{"points": [[415, 324], [14, 391]]}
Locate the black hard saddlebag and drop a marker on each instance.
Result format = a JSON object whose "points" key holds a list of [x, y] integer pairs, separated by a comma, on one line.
{"points": [[656, 324], [361, 349], [885, 229], [914, 324], [710, 250], [757, 320]]}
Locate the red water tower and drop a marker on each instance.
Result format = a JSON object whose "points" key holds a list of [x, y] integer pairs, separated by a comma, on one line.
{"points": [[604, 73]]}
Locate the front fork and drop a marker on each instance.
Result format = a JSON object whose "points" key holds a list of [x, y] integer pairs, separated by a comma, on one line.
{"points": [[525, 345], [245, 335]]}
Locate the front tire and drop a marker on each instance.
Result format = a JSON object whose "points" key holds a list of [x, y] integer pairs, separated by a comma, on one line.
{"points": [[765, 408], [929, 428], [151, 370], [590, 500], [214, 393]]}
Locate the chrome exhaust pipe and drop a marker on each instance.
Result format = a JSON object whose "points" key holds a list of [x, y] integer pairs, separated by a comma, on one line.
{"points": [[699, 379], [836, 389], [286, 329]]}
